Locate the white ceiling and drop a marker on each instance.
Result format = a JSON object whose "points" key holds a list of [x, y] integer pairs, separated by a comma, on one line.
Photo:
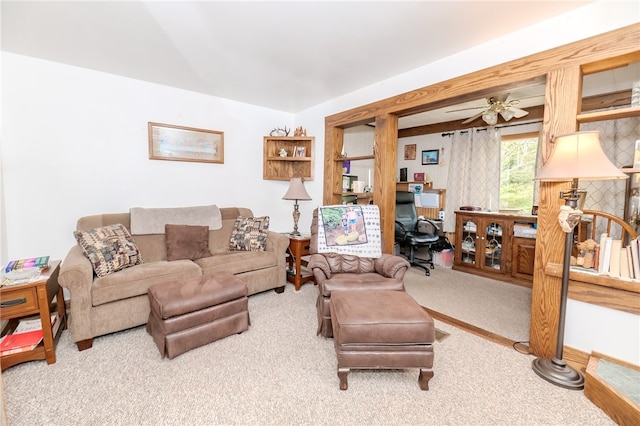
{"points": [[287, 56]]}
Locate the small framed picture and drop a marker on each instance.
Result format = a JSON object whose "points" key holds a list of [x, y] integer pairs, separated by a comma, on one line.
{"points": [[534, 210], [430, 157], [410, 152], [418, 177]]}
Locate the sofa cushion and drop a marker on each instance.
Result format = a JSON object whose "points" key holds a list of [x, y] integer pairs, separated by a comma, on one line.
{"points": [[237, 262], [109, 248], [132, 282], [187, 242], [361, 282], [249, 234]]}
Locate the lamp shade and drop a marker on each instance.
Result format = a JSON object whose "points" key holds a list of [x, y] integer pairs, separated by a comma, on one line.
{"points": [[579, 156], [296, 190]]}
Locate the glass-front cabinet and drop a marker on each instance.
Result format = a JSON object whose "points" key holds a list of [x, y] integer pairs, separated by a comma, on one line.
{"points": [[481, 243], [468, 241], [492, 242], [485, 244]]}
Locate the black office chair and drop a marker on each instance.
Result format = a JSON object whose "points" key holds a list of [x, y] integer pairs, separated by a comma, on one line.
{"points": [[412, 233]]}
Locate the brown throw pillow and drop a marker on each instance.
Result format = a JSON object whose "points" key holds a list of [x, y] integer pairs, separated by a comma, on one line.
{"points": [[187, 242]]}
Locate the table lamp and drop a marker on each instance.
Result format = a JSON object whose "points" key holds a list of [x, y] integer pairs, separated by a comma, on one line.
{"points": [[575, 156], [296, 192]]}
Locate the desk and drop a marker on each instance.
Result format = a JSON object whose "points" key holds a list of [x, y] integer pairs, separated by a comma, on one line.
{"points": [[35, 298], [296, 274]]}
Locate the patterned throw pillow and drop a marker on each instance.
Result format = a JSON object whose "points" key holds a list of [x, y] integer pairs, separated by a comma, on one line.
{"points": [[109, 248], [249, 234]]}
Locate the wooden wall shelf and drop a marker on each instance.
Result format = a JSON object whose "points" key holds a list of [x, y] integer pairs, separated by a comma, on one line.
{"points": [[601, 290], [276, 167], [359, 157]]}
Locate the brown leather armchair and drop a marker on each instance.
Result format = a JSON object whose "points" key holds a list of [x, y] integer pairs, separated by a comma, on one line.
{"points": [[335, 272]]}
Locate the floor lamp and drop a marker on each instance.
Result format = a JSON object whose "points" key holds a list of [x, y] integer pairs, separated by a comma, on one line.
{"points": [[575, 156], [296, 192]]}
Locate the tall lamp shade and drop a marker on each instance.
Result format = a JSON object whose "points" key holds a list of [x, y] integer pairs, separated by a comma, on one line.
{"points": [[579, 156], [296, 192], [575, 156]]}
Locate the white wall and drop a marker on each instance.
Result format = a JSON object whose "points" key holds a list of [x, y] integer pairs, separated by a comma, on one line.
{"points": [[608, 331], [74, 142]]}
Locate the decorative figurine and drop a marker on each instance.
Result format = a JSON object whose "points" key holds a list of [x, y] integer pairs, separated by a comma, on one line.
{"points": [[300, 132], [282, 152]]}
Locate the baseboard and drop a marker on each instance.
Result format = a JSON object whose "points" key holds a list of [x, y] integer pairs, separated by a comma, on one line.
{"points": [[575, 358]]}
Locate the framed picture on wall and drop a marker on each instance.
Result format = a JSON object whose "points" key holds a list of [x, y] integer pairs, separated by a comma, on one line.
{"points": [[410, 152], [430, 157], [179, 143]]}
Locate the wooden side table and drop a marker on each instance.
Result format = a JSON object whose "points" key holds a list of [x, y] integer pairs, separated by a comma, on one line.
{"points": [[297, 274], [34, 298]]}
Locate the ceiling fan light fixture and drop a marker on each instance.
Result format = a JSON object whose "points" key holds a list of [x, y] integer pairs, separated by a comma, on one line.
{"points": [[507, 114], [490, 117]]}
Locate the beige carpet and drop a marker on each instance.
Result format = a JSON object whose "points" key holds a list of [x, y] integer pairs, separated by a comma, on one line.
{"points": [[280, 373], [499, 307]]}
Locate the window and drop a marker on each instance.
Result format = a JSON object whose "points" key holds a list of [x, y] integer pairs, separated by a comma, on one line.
{"points": [[517, 169]]}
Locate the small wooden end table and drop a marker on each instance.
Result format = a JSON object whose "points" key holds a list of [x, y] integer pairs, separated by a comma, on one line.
{"points": [[34, 298], [297, 274]]}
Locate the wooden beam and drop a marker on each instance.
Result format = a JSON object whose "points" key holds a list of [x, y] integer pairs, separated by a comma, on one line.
{"points": [[535, 113], [384, 187], [332, 173], [562, 101], [621, 98], [617, 43]]}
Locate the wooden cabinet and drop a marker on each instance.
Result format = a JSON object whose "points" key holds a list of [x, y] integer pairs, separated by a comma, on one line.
{"points": [[298, 161], [480, 239], [490, 244], [522, 258]]}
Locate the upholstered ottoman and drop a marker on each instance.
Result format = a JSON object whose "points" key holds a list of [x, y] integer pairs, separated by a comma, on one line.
{"points": [[196, 311], [381, 329]]}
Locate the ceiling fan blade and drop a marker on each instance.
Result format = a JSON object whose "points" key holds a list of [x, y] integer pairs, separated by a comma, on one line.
{"points": [[468, 109], [470, 119], [518, 113], [502, 98]]}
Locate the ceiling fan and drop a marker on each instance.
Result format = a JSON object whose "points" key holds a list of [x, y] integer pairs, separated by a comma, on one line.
{"points": [[497, 105]]}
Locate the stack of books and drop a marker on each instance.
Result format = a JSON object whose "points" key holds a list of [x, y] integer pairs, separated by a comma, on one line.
{"points": [[41, 262], [26, 336]]}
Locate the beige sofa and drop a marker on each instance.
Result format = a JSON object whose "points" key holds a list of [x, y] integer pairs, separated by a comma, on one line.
{"points": [[101, 305]]}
